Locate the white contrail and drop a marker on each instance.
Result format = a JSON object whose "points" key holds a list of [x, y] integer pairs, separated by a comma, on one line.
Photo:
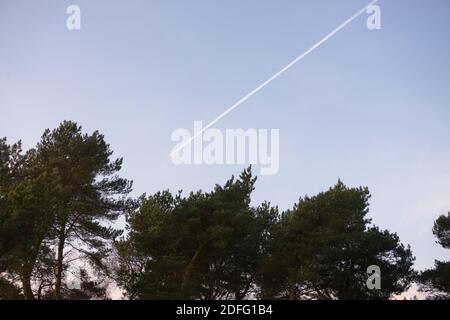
{"points": [[276, 75]]}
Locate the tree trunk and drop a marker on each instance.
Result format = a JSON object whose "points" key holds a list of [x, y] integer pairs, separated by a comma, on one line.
{"points": [[188, 270], [291, 288], [26, 271], [26, 284], [59, 267]]}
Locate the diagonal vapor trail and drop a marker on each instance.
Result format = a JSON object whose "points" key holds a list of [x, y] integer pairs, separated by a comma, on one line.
{"points": [[276, 75]]}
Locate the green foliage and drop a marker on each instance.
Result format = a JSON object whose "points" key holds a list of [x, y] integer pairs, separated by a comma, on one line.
{"points": [[11, 160], [215, 246], [25, 213], [436, 281], [205, 246], [58, 201], [9, 291], [323, 246], [441, 230], [54, 201]]}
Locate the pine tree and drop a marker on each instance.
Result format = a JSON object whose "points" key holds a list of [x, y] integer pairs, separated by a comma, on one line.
{"points": [[204, 246], [57, 198], [26, 214], [89, 194], [436, 281], [322, 247]]}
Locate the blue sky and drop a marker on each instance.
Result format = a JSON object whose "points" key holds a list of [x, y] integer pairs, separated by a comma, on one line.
{"points": [[368, 107]]}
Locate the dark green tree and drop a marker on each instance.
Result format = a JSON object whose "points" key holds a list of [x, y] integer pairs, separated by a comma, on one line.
{"points": [[205, 246], [57, 202], [436, 281], [9, 291], [89, 194], [25, 214], [55, 205], [322, 247], [6, 229], [441, 230]]}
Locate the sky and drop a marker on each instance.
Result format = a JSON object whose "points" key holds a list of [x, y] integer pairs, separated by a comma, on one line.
{"points": [[369, 107]]}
